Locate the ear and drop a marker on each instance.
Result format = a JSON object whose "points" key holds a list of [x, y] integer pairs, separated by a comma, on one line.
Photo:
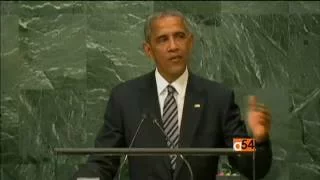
{"points": [[191, 43], [147, 50]]}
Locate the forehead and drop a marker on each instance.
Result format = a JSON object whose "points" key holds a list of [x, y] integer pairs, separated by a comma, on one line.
{"points": [[168, 24]]}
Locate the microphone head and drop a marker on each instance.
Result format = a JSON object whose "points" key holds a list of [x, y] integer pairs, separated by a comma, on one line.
{"points": [[144, 116], [156, 121], [147, 115]]}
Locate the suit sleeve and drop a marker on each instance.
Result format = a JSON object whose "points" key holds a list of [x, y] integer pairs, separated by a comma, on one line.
{"points": [[110, 135], [234, 127]]}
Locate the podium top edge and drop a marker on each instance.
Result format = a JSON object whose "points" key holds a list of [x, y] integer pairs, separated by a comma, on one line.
{"points": [[148, 151]]}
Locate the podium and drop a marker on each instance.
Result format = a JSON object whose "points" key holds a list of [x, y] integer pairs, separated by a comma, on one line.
{"points": [[154, 152]]}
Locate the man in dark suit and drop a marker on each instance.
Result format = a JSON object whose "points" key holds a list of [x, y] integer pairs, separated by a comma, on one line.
{"points": [[192, 112]]}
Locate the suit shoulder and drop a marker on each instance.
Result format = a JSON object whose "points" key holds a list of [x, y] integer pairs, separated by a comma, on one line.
{"points": [[130, 86], [213, 86]]}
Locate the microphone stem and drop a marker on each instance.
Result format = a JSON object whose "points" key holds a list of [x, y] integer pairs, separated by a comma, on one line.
{"points": [[131, 144], [180, 155], [188, 165]]}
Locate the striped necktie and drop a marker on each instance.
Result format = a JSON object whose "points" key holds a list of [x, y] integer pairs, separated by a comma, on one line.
{"points": [[170, 122]]}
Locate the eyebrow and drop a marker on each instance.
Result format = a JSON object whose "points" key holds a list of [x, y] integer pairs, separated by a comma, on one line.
{"points": [[175, 33], [161, 36]]}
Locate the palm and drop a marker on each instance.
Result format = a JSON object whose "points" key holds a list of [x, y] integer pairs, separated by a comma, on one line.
{"points": [[259, 120]]}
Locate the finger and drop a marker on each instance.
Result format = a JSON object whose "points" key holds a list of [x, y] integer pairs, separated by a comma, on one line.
{"points": [[261, 105], [256, 127], [252, 100], [260, 118], [264, 122], [263, 115], [262, 110]]}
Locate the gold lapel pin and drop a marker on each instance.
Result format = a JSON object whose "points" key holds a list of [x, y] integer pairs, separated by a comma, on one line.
{"points": [[196, 106]]}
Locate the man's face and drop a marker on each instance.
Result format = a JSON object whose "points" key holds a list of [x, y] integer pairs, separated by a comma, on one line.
{"points": [[170, 46]]}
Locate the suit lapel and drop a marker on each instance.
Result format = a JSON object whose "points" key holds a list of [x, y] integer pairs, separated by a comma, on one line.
{"points": [[149, 98], [192, 111], [150, 106]]}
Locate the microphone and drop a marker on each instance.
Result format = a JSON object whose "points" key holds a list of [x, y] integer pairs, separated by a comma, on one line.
{"points": [[155, 121], [144, 116]]}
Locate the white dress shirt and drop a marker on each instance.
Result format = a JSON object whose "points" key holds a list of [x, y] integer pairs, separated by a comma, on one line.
{"points": [[179, 84]]}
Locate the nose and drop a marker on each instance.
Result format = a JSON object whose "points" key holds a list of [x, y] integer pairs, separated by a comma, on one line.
{"points": [[172, 45]]}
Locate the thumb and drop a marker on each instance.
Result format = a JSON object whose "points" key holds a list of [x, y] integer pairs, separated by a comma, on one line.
{"points": [[252, 101]]}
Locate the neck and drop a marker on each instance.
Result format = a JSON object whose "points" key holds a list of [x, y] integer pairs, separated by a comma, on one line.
{"points": [[171, 77]]}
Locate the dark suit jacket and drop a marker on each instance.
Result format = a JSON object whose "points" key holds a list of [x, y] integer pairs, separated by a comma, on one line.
{"points": [[214, 124]]}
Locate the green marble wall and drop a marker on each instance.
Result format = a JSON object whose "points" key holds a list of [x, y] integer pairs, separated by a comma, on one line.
{"points": [[59, 61]]}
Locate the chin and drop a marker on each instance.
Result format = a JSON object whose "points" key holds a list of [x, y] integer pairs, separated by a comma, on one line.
{"points": [[177, 71]]}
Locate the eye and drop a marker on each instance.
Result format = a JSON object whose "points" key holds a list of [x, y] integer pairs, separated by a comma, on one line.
{"points": [[162, 39], [181, 35]]}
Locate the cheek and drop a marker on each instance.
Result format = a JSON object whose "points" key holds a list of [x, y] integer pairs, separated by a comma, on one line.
{"points": [[189, 46], [160, 55], [159, 60]]}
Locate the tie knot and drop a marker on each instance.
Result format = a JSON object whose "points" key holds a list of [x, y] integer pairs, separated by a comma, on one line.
{"points": [[171, 89]]}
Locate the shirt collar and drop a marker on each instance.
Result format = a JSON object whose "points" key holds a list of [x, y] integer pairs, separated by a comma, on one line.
{"points": [[179, 84]]}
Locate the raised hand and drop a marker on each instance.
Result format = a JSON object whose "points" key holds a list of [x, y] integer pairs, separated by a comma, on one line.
{"points": [[259, 120]]}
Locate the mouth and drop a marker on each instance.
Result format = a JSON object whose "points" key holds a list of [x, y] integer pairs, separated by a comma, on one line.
{"points": [[175, 58]]}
